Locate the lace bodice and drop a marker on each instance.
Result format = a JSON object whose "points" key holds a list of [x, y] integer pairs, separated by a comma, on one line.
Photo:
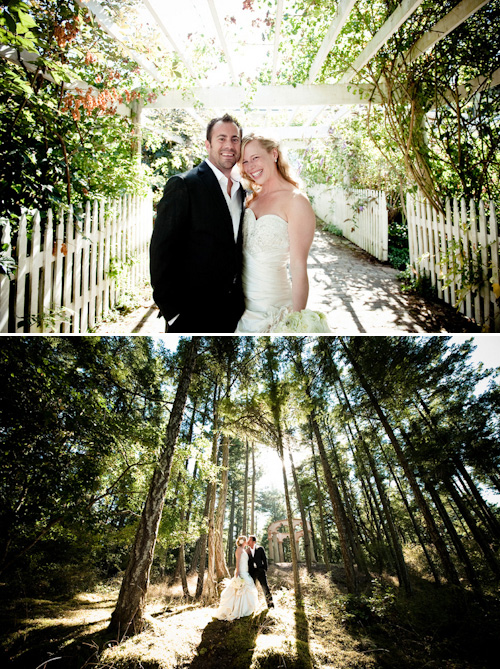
{"points": [[244, 563], [265, 234], [266, 283]]}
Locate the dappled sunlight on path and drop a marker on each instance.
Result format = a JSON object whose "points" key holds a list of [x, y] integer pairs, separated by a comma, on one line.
{"points": [[359, 294]]}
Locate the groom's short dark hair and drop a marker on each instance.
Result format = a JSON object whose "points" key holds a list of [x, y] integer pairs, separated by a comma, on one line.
{"points": [[253, 537], [227, 118]]}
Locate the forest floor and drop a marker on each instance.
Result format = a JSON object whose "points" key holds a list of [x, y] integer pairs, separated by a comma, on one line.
{"points": [[435, 628]]}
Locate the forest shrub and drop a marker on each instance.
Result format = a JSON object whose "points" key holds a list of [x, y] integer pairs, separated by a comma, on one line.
{"points": [[52, 579]]}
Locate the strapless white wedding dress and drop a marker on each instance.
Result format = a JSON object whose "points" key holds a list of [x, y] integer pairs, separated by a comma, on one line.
{"points": [[266, 282], [238, 599]]}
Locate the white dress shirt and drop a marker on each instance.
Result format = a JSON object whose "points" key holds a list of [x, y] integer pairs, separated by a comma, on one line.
{"points": [[234, 201]]}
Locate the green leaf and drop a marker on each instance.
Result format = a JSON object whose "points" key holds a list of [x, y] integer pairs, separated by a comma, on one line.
{"points": [[26, 20], [9, 22]]}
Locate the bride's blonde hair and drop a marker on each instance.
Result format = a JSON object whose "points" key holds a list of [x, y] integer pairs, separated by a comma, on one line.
{"points": [[282, 164], [241, 540]]}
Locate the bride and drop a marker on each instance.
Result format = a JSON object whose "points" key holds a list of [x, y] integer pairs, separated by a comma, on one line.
{"points": [[278, 229], [240, 597]]}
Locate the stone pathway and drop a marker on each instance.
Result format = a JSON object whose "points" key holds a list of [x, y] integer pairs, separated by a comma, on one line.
{"points": [[357, 293]]}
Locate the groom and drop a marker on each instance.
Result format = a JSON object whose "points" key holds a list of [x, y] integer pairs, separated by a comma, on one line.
{"points": [[257, 567], [196, 247]]}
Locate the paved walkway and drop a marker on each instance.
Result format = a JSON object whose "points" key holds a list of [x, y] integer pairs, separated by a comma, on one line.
{"points": [[357, 293]]}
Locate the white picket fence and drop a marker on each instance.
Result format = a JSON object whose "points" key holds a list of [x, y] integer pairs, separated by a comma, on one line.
{"points": [[72, 270], [459, 252], [361, 216]]}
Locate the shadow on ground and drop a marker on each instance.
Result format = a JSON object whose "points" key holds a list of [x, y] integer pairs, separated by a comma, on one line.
{"points": [[34, 636], [228, 644]]}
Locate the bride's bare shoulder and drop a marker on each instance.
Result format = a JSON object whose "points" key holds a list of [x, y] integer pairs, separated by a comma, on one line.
{"points": [[299, 195], [298, 203]]}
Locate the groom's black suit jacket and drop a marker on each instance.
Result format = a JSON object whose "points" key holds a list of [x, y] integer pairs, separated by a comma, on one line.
{"points": [[259, 560], [195, 260]]}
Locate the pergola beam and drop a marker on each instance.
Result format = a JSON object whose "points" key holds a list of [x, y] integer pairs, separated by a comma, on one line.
{"points": [[161, 25], [222, 39], [114, 31], [471, 88], [289, 132], [314, 115], [341, 15], [444, 27], [277, 36], [391, 26], [234, 97]]}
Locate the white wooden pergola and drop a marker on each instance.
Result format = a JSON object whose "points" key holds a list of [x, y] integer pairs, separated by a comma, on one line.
{"points": [[294, 112]]}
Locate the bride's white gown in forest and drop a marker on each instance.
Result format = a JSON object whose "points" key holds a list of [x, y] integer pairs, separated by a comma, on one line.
{"points": [[238, 599], [266, 283]]}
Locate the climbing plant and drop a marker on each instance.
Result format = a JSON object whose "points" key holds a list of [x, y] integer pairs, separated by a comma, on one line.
{"points": [[436, 124], [60, 136]]}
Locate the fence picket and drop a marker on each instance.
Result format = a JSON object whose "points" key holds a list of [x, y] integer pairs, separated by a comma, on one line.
{"points": [[463, 240], [100, 283], [66, 278], [485, 291], [494, 246], [442, 260], [4, 279], [474, 258], [34, 273], [449, 253], [48, 249], [22, 262], [361, 215]]}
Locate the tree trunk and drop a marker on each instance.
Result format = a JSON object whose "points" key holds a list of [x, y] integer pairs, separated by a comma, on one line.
{"points": [[209, 592], [351, 527], [230, 532], [437, 540], [477, 533], [488, 517], [324, 539], [338, 511], [293, 547], [202, 542], [430, 561], [385, 553], [457, 542], [220, 561], [182, 570], [128, 616], [252, 516], [402, 571], [375, 530], [245, 493], [303, 517]]}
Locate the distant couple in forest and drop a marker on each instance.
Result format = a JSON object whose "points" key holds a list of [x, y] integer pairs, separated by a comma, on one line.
{"points": [[240, 597], [224, 260]]}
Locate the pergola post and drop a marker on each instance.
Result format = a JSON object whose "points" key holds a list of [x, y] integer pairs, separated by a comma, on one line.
{"points": [[135, 115]]}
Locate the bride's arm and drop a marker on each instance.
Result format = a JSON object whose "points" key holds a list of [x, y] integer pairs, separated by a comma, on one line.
{"points": [[236, 571], [301, 226]]}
